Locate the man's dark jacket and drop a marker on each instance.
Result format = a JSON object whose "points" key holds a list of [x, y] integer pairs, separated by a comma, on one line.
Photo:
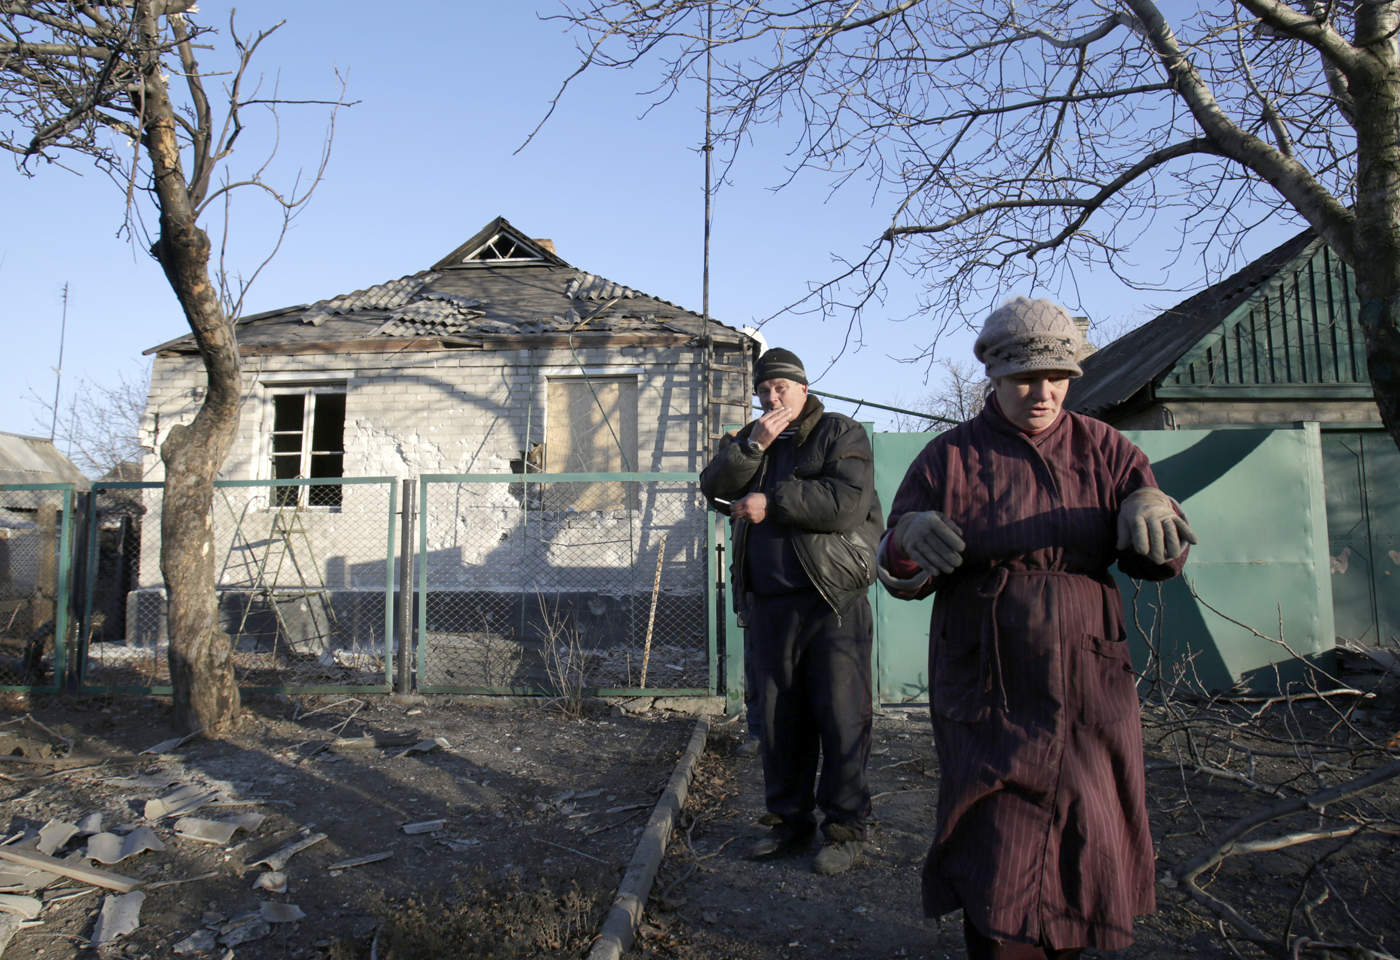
{"points": [[828, 502]]}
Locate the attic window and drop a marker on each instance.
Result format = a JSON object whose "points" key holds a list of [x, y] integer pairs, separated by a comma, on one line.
{"points": [[502, 247]]}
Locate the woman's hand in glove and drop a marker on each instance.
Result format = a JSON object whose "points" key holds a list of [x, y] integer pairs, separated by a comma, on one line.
{"points": [[1148, 524], [931, 540]]}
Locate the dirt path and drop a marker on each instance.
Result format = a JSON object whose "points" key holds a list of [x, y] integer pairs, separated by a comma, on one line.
{"points": [[540, 814]]}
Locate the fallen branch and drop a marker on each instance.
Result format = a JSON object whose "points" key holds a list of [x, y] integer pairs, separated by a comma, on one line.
{"points": [[1225, 844]]}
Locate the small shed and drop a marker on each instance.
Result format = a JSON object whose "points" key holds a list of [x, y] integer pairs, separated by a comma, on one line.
{"points": [[32, 519], [1278, 343]]}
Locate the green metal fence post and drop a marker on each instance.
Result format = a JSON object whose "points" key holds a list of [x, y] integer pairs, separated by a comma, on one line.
{"points": [[389, 583], [422, 578], [65, 568]]}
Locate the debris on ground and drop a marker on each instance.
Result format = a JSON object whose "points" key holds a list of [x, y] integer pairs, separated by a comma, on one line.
{"points": [[109, 848], [278, 860], [120, 916]]}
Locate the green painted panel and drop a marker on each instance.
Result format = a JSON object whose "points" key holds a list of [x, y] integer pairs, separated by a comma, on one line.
{"points": [[1255, 497], [1349, 537], [901, 626]]}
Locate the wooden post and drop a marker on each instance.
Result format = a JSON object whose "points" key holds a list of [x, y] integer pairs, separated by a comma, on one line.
{"points": [[651, 620]]}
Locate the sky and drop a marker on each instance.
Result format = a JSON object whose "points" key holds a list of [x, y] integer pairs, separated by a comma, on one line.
{"points": [[424, 159]]}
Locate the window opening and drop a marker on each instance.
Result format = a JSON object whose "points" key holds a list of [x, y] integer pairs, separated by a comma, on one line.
{"points": [[591, 428], [308, 443]]}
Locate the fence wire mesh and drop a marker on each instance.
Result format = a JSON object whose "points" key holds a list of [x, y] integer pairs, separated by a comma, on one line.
{"points": [[35, 525], [304, 589], [563, 585]]}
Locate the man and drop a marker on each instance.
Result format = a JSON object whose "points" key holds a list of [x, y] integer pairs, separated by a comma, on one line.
{"points": [[799, 485]]}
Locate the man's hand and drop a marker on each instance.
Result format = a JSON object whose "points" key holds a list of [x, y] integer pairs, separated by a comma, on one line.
{"points": [[752, 508], [1148, 524], [772, 423], [931, 540]]}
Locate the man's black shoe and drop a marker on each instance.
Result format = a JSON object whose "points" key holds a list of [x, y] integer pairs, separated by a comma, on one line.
{"points": [[784, 840]]}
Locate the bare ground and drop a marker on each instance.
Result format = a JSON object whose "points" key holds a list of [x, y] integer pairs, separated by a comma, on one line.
{"points": [[541, 813]]}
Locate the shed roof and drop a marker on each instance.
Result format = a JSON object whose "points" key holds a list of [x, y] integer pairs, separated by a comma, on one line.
{"points": [[1149, 354], [500, 283], [25, 459]]}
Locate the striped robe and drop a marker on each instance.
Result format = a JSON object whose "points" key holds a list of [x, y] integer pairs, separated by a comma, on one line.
{"points": [[1042, 823]]}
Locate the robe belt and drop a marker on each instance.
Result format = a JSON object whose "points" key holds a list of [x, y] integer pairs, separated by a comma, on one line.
{"points": [[991, 588]]}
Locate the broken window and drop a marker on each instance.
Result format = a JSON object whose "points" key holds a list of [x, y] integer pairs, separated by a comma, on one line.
{"points": [[308, 443], [591, 427], [502, 247]]}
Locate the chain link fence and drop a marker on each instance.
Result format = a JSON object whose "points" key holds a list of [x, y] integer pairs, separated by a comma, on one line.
{"points": [[304, 573], [36, 523], [567, 583]]}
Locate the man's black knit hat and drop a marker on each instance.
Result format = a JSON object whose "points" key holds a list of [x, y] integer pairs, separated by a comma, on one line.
{"points": [[779, 364]]}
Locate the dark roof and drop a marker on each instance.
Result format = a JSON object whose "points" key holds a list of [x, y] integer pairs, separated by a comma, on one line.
{"points": [[1115, 373], [530, 291]]}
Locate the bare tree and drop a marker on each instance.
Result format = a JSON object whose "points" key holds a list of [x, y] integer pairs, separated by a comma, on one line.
{"points": [[957, 395], [98, 426], [72, 74], [1015, 138]]}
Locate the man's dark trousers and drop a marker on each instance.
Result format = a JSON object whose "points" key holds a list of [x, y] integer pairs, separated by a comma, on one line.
{"points": [[813, 668]]}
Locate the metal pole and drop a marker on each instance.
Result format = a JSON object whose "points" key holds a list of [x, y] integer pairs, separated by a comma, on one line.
{"points": [[405, 611], [58, 370]]}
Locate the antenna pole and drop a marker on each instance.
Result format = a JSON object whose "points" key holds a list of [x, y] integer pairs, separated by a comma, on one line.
{"points": [[58, 370], [708, 400]]}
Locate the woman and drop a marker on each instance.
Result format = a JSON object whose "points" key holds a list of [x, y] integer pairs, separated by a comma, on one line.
{"points": [[1012, 520]]}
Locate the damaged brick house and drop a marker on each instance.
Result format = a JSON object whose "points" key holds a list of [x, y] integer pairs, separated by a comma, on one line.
{"points": [[499, 359]]}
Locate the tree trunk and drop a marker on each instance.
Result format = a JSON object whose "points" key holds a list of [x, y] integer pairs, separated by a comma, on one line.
{"points": [[1377, 245], [200, 653]]}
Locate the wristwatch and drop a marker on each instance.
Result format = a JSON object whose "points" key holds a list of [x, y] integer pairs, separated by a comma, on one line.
{"points": [[753, 448]]}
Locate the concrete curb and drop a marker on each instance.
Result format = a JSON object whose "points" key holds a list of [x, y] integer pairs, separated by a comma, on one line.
{"points": [[620, 926]]}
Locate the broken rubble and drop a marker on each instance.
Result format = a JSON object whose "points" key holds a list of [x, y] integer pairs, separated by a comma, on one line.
{"points": [[278, 860], [26, 907], [53, 835], [244, 927], [427, 826], [274, 881], [185, 800], [360, 861], [120, 915], [217, 831], [108, 848], [9, 923], [201, 941], [281, 912], [70, 867]]}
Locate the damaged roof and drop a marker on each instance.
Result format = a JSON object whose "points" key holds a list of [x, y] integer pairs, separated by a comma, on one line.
{"points": [[1148, 354], [500, 283], [26, 459]]}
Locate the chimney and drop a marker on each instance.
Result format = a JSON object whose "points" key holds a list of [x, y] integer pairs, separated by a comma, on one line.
{"points": [[1083, 324], [548, 245]]}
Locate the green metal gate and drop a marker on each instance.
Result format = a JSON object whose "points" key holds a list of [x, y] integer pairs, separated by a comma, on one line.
{"points": [[1363, 533]]}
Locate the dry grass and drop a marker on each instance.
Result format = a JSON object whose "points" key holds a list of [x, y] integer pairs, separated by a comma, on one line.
{"points": [[479, 920]]}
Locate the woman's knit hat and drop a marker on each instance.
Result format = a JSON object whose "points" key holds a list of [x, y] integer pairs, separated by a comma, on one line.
{"points": [[778, 364], [1024, 335]]}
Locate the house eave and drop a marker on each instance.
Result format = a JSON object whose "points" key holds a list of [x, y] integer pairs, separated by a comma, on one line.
{"points": [[381, 345]]}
